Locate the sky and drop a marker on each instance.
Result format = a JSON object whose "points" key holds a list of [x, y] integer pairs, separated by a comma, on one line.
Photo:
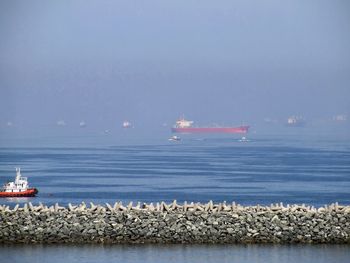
{"points": [[227, 62]]}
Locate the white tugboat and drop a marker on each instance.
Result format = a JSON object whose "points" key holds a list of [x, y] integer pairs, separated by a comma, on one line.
{"points": [[18, 188]]}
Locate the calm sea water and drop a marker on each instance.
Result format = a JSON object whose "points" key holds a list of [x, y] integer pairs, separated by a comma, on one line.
{"points": [[176, 253], [261, 171], [311, 170]]}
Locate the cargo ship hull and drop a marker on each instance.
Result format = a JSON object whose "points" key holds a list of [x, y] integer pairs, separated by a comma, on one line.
{"points": [[241, 129]]}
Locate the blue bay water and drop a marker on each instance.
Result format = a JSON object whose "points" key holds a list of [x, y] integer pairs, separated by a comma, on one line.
{"points": [[176, 253], [314, 171], [261, 171]]}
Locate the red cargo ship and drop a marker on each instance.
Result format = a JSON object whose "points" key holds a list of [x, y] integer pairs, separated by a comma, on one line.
{"points": [[185, 126]]}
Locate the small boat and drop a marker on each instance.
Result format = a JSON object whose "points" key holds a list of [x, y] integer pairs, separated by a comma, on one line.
{"points": [[18, 188], [244, 139], [174, 138], [61, 123], [127, 124], [296, 121]]}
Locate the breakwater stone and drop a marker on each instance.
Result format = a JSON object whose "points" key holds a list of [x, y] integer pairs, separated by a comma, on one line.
{"points": [[174, 223]]}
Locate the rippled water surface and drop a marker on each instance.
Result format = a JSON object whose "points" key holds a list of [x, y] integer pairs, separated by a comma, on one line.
{"points": [[177, 253], [260, 171]]}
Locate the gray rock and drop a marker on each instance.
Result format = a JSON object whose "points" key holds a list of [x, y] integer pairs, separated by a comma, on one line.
{"points": [[207, 223]]}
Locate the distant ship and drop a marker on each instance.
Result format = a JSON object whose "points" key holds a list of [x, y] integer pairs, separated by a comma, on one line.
{"points": [[295, 121], [185, 126], [340, 118], [127, 124], [174, 138], [61, 123]]}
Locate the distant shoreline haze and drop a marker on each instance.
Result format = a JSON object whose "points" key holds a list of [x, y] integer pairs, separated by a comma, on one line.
{"points": [[104, 62]]}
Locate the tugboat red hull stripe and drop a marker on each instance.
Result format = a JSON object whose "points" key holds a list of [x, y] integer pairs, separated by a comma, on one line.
{"points": [[28, 193]]}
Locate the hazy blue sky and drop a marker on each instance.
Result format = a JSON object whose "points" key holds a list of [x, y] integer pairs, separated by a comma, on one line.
{"points": [[152, 61]]}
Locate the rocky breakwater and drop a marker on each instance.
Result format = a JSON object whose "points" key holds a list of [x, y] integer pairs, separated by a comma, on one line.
{"points": [[174, 223]]}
